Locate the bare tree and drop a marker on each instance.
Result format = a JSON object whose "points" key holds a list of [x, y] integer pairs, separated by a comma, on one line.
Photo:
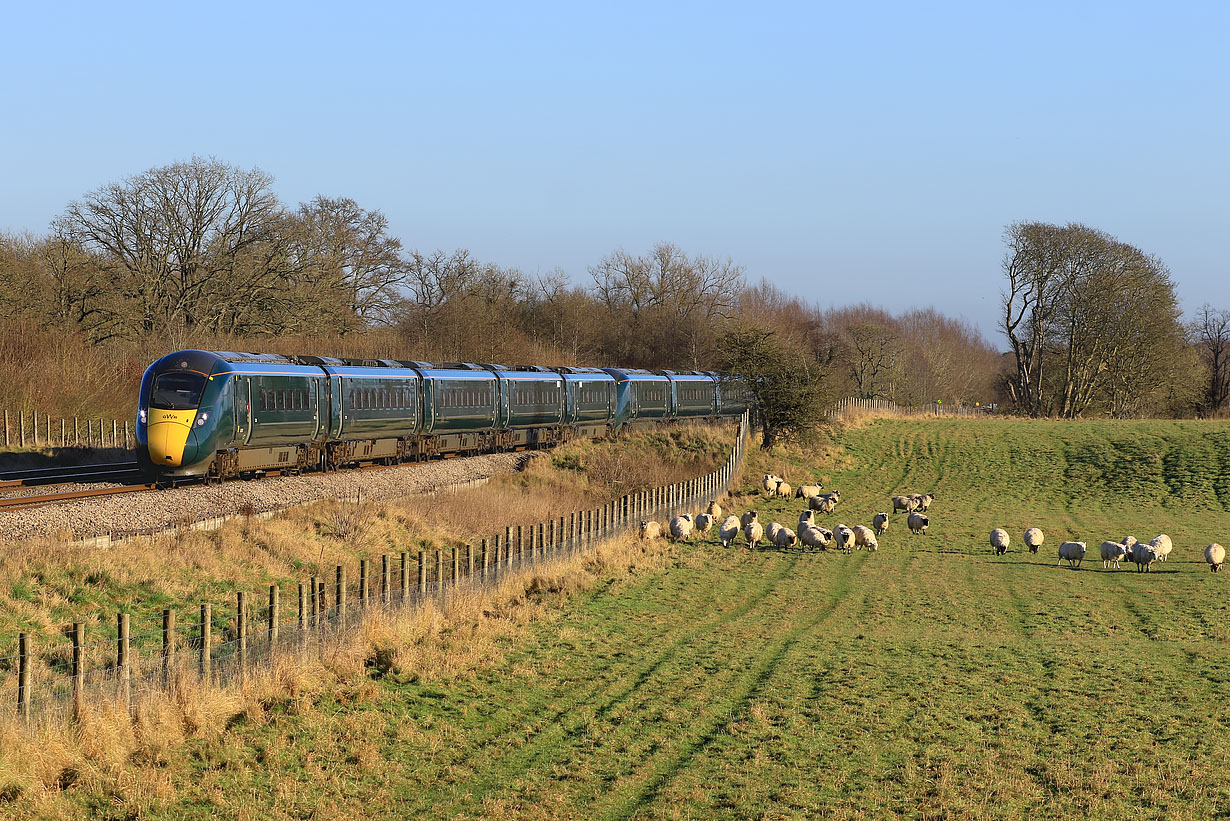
{"points": [[1212, 332]]}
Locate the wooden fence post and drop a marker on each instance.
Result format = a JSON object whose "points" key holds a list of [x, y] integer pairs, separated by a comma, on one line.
{"points": [[78, 670], [520, 546], [340, 596], [439, 569], [456, 568], [385, 593], [422, 572], [241, 626], [273, 617], [25, 657], [470, 560], [122, 664], [362, 583], [483, 548], [315, 582], [207, 629], [168, 645], [405, 577], [6, 427], [302, 614]]}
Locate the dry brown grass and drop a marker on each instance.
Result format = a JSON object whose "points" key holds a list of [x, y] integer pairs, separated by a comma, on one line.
{"points": [[130, 758]]}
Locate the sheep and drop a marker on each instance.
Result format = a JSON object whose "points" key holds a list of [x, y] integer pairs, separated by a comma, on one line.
{"points": [[1129, 541], [917, 523], [1162, 544], [1214, 554], [754, 533], [813, 536], [807, 491], [714, 510], [1073, 552], [651, 531], [844, 537], [784, 490], [703, 523], [770, 532], [904, 504], [1000, 541], [769, 483], [1143, 556], [864, 537], [924, 502], [729, 530], [785, 537], [747, 518], [880, 523], [807, 517], [822, 503], [1113, 553], [1034, 539], [681, 527]]}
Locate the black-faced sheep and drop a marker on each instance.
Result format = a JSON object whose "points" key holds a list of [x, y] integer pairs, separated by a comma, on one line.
{"points": [[1000, 541]]}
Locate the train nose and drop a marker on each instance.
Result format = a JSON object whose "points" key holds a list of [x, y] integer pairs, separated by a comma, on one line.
{"points": [[171, 439]]}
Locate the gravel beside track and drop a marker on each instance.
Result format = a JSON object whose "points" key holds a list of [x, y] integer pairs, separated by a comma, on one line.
{"points": [[155, 509]]}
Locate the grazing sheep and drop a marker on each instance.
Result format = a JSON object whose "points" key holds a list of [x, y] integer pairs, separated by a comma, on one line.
{"points": [[754, 533], [880, 523], [1143, 556], [813, 536], [1128, 541], [864, 537], [1162, 544], [769, 483], [822, 503], [924, 502], [807, 517], [714, 510], [770, 532], [917, 523], [651, 531], [729, 530], [844, 537], [784, 489], [1073, 552], [904, 504], [703, 523], [681, 527], [1113, 553], [1034, 539], [1000, 541], [1215, 554], [807, 491], [747, 518], [785, 537]]}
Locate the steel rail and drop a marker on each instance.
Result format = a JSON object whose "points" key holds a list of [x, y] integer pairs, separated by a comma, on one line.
{"points": [[21, 502]]}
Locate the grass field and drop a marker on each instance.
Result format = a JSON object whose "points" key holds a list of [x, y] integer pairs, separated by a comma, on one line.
{"points": [[930, 679]]}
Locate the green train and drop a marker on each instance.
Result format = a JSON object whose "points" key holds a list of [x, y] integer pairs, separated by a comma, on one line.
{"points": [[222, 414]]}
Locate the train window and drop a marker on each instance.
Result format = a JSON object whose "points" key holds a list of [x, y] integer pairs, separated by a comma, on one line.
{"points": [[261, 402], [176, 390]]}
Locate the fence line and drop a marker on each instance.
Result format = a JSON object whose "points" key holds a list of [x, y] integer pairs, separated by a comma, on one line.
{"points": [[52, 677], [22, 428], [857, 405]]}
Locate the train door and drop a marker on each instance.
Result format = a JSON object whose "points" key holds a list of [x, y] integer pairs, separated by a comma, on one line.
{"points": [[243, 409]]}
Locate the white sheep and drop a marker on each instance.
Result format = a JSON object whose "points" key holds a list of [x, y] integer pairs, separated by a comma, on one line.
{"points": [[1215, 554], [918, 523], [1034, 539], [904, 504], [753, 532], [865, 537], [807, 517], [651, 531], [822, 503], [1143, 556], [681, 527], [1113, 553], [714, 510], [1162, 544], [747, 518], [785, 537], [924, 502], [769, 483], [1072, 552], [1000, 541], [729, 530], [844, 537], [807, 491], [770, 532], [703, 524], [880, 523], [813, 536], [784, 489]]}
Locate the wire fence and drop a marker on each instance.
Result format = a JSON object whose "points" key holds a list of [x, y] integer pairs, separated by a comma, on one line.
{"points": [[53, 677], [33, 429]]}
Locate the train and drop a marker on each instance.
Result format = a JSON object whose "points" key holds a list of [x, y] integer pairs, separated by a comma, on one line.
{"points": [[226, 414]]}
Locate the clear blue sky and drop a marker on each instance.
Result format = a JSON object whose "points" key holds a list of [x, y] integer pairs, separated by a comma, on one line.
{"points": [[847, 152]]}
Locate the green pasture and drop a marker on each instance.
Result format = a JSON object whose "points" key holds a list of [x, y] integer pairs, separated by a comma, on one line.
{"points": [[930, 679]]}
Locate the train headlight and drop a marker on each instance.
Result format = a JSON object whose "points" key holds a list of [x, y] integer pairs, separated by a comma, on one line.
{"points": [[202, 418], [142, 415]]}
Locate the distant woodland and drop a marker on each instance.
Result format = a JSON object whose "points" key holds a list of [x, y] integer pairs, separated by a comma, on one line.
{"points": [[204, 254]]}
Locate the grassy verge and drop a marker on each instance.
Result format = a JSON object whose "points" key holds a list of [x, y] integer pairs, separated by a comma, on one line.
{"points": [[930, 679]]}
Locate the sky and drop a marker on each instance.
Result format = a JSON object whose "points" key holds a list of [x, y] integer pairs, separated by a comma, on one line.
{"points": [[848, 153]]}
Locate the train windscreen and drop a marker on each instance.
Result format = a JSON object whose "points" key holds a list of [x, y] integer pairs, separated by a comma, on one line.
{"points": [[176, 390]]}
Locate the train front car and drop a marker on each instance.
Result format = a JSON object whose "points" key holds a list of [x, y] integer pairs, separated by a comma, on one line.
{"points": [[185, 412]]}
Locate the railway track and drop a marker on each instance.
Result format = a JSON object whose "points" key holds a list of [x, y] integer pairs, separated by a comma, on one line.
{"points": [[24, 502], [112, 472]]}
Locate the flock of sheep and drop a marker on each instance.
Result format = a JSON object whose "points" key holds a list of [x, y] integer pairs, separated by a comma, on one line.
{"points": [[915, 505]]}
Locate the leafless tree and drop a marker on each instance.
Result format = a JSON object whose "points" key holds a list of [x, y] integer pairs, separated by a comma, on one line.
{"points": [[1212, 332]]}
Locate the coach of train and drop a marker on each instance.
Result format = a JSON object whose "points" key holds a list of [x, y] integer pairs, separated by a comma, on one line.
{"points": [[219, 414]]}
